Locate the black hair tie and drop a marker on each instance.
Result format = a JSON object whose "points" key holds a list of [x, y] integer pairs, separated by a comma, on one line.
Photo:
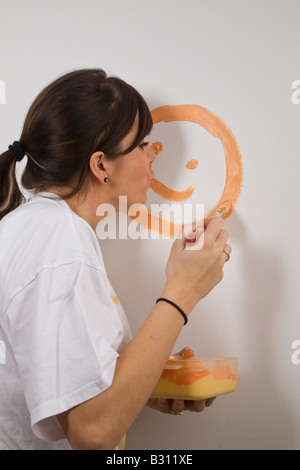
{"points": [[17, 149], [176, 306]]}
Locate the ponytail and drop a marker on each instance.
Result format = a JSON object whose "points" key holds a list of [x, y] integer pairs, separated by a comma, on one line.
{"points": [[10, 194]]}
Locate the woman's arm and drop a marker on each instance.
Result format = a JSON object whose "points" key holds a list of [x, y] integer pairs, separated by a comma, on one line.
{"points": [[101, 422]]}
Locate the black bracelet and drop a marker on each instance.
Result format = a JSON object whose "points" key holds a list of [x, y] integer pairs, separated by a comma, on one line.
{"points": [[176, 306]]}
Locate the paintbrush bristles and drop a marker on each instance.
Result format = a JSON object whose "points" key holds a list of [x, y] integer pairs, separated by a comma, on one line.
{"points": [[222, 210]]}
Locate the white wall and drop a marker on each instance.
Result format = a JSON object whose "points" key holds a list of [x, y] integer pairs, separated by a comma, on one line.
{"points": [[237, 58]]}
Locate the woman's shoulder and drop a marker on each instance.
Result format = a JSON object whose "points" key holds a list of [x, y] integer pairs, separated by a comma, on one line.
{"points": [[43, 235], [45, 232]]}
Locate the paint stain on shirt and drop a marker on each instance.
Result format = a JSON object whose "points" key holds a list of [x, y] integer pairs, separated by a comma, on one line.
{"points": [[114, 299]]}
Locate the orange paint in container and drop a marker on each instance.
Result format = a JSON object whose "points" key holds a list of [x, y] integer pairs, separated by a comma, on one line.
{"points": [[197, 378]]}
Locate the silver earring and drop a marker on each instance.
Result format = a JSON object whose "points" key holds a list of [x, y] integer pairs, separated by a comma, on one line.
{"points": [[105, 179]]}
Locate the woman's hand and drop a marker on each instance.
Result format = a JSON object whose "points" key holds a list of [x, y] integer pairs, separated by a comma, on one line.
{"points": [[193, 273], [176, 407]]}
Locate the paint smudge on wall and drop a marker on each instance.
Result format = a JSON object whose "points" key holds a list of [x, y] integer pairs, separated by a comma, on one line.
{"points": [[2, 92], [192, 164], [157, 147]]}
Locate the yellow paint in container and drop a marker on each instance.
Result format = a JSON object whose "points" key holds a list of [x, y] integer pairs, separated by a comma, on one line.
{"points": [[197, 378]]}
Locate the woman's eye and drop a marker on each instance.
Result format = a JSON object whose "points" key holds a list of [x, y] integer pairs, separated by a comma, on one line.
{"points": [[143, 145]]}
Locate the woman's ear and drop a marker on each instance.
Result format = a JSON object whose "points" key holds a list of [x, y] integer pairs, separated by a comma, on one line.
{"points": [[99, 166]]}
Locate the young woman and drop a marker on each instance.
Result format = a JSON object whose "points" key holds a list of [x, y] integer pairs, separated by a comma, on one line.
{"points": [[73, 377]]}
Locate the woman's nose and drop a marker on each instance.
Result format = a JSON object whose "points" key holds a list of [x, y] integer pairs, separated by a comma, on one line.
{"points": [[151, 154]]}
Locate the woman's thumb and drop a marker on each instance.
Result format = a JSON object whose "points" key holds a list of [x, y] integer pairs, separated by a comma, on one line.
{"points": [[186, 352]]}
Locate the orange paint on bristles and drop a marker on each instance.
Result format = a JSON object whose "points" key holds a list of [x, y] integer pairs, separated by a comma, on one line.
{"points": [[224, 210]]}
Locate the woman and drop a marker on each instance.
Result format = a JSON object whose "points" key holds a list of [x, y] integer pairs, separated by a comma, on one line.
{"points": [[73, 377]]}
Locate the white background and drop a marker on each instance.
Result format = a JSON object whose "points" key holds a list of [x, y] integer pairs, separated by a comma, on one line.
{"points": [[238, 59]]}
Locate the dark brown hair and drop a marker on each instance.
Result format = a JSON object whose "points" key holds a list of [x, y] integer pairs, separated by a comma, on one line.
{"points": [[78, 114]]}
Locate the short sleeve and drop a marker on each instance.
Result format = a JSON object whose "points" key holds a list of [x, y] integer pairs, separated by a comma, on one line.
{"points": [[65, 334]]}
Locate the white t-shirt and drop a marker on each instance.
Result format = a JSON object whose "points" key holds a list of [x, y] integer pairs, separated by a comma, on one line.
{"points": [[61, 324]]}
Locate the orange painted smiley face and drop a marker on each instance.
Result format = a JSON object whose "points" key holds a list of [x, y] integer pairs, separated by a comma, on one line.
{"points": [[234, 172]]}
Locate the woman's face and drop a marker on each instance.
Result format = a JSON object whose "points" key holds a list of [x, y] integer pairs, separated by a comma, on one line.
{"points": [[132, 174]]}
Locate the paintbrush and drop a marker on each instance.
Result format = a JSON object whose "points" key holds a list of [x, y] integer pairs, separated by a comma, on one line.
{"points": [[223, 210]]}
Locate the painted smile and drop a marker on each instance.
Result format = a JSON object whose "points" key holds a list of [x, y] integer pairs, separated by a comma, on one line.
{"points": [[162, 190]]}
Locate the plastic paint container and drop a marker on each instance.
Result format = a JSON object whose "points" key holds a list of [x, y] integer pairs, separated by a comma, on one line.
{"points": [[197, 378]]}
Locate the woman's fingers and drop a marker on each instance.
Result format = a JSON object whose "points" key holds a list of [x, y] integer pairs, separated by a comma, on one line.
{"points": [[177, 406], [196, 406], [209, 402], [213, 228], [226, 253]]}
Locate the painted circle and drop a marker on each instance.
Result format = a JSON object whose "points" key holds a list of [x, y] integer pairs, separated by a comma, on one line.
{"points": [[216, 127]]}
